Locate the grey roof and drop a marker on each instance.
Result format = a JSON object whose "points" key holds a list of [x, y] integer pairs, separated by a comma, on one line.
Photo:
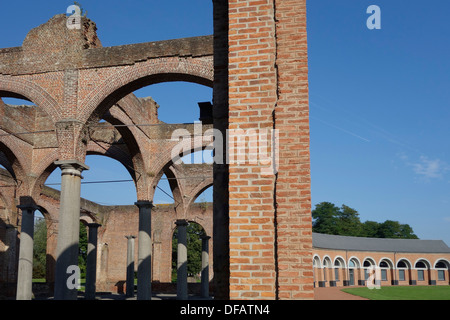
{"points": [[327, 241]]}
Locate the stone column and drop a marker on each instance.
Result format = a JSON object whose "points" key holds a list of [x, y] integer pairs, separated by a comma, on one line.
{"points": [[130, 266], [25, 272], [144, 285], [182, 289], [205, 266], [91, 262], [68, 229]]}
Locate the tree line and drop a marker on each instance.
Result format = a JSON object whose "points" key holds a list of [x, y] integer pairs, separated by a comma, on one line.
{"points": [[331, 219]]}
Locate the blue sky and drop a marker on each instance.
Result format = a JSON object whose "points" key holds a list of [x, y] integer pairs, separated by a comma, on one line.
{"points": [[379, 99]]}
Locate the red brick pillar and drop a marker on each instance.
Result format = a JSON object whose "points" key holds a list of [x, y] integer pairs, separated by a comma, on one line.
{"points": [[270, 215], [293, 183]]}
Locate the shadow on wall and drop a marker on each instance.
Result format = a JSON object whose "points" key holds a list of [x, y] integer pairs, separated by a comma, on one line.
{"points": [[9, 236]]}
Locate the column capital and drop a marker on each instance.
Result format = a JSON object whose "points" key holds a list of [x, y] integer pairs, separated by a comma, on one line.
{"points": [[74, 167], [130, 237], [144, 204], [94, 225], [30, 207], [181, 222], [205, 237]]}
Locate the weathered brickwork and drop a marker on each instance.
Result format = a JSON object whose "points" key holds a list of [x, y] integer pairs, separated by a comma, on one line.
{"points": [[256, 64], [270, 220]]}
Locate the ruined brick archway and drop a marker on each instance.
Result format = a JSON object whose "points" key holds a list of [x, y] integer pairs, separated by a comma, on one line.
{"points": [[8, 159], [27, 89], [257, 64]]}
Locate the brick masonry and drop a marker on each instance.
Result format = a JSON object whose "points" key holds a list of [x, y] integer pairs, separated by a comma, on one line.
{"points": [[256, 63], [270, 219]]}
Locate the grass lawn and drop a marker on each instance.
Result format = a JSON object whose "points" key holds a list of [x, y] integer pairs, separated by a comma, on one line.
{"points": [[403, 293]]}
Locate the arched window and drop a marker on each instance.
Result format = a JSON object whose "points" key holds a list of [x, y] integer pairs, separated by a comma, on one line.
{"points": [[337, 266], [442, 268], [326, 265], [385, 265], [402, 266], [421, 266], [367, 264], [316, 262]]}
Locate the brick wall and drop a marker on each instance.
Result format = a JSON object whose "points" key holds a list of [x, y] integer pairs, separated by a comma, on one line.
{"points": [[293, 188], [270, 222]]}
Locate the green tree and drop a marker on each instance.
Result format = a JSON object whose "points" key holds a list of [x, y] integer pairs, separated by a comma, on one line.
{"points": [[325, 217], [40, 249], [348, 221], [330, 219], [194, 250], [345, 221], [82, 250], [369, 229], [395, 230]]}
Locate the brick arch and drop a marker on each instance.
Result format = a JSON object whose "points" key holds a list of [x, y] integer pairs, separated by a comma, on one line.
{"points": [[131, 78], [174, 184], [127, 162], [165, 159], [189, 220], [15, 161], [13, 87], [133, 143], [43, 171], [112, 152], [207, 183]]}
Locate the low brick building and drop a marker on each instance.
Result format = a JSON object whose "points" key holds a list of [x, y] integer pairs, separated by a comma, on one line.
{"points": [[350, 261]]}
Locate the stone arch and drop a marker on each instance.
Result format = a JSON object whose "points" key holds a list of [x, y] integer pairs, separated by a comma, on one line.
{"points": [[387, 270], [443, 260], [442, 269], [327, 268], [139, 75], [370, 261], [317, 261], [406, 262], [423, 269], [14, 87], [354, 271], [356, 262], [387, 260], [424, 261], [341, 260], [404, 269], [368, 264], [339, 267]]}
